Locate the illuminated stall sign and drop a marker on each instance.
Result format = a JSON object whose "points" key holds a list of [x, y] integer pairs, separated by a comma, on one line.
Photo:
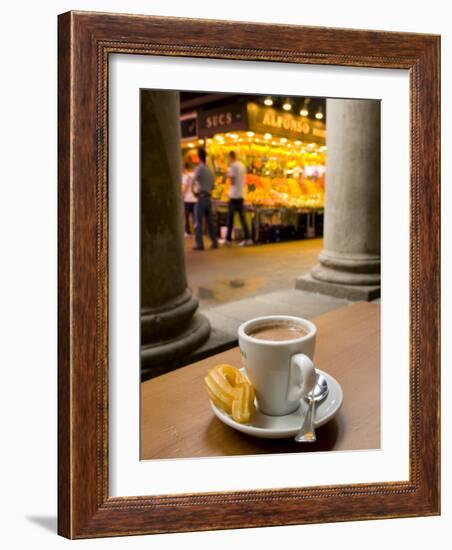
{"points": [[222, 119], [259, 119], [281, 123]]}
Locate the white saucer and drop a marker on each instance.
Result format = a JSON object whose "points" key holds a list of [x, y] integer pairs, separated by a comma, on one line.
{"points": [[278, 427]]}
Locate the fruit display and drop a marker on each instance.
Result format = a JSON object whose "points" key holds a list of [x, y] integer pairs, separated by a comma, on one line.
{"points": [[231, 391], [280, 173], [288, 192]]}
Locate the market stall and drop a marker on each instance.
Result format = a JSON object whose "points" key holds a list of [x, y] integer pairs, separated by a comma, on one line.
{"points": [[284, 155]]}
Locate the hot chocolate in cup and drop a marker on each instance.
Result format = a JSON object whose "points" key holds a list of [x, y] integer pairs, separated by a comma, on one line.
{"points": [[277, 353]]}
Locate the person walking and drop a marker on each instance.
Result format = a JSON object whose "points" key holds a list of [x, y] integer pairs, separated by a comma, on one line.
{"points": [[203, 181], [189, 197], [237, 175]]}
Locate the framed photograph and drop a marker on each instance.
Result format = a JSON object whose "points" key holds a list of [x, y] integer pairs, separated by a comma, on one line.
{"points": [[249, 275]]}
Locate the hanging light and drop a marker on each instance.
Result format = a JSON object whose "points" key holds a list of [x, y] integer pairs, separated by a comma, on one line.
{"points": [[319, 114], [268, 101], [287, 105], [298, 143], [283, 140], [191, 145], [200, 141], [250, 134], [267, 136], [304, 110]]}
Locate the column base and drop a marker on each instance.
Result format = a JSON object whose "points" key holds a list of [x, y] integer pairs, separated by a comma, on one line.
{"points": [[163, 356], [346, 291], [165, 322], [347, 268]]}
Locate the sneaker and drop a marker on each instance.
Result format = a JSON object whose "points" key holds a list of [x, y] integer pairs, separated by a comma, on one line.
{"points": [[198, 248], [214, 245], [187, 235], [248, 242]]}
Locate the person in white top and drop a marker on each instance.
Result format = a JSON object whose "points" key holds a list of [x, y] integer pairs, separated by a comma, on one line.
{"points": [[237, 176], [189, 197]]}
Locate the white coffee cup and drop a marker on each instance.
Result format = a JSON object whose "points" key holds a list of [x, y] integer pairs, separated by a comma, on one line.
{"points": [[281, 371]]}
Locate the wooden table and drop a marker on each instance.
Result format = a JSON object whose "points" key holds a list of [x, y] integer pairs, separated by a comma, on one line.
{"points": [[177, 421]]}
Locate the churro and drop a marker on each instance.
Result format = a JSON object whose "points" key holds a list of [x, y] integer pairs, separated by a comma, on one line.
{"points": [[231, 391]]}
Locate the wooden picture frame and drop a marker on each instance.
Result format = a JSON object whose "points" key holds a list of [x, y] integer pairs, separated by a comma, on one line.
{"points": [[86, 40]]}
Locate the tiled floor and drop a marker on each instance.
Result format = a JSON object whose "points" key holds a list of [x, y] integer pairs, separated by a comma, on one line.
{"points": [[228, 274]]}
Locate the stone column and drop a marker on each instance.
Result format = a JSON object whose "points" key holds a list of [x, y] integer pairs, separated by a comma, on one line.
{"points": [[350, 261], [170, 326]]}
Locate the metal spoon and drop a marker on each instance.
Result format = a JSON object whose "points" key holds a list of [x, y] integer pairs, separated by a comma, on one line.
{"points": [[307, 430]]}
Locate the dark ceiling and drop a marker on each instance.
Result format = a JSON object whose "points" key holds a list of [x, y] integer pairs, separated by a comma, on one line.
{"points": [[191, 101]]}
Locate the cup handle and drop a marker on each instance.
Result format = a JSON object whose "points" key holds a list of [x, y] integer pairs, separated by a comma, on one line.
{"points": [[302, 377]]}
